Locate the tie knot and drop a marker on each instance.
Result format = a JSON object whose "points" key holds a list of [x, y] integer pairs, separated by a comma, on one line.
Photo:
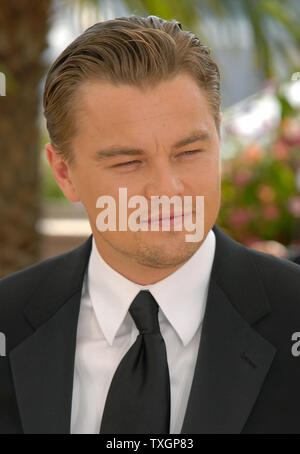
{"points": [[144, 311]]}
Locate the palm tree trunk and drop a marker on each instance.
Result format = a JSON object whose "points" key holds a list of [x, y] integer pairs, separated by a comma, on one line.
{"points": [[24, 26]]}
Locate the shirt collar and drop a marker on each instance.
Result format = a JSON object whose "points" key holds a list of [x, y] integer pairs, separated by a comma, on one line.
{"points": [[181, 296]]}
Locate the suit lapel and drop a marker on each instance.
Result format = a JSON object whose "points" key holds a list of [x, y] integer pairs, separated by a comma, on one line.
{"points": [[233, 359], [232, 363], [43, 364]]}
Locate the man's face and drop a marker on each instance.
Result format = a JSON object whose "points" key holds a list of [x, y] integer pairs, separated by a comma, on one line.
{"points": [[152, 120]]}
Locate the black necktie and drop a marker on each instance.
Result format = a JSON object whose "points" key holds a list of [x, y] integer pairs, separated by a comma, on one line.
{"points": [[138, 400]]}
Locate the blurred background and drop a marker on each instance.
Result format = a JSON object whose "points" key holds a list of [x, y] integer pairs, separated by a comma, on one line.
{"points": [[256, 44]]}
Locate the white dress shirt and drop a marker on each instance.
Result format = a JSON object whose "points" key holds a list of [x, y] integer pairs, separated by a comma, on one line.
{"points": [[106, 331]]}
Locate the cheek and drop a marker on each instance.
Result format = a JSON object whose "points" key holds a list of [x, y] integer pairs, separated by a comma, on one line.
{"points": [[209, 185], [90, 190], [91, 185], [207, 178]]}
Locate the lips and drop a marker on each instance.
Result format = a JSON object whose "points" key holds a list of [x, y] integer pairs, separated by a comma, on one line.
{"points": [[166, 218]]}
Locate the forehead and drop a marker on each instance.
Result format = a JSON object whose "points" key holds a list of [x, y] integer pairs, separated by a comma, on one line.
{"points": [[128, 112]]}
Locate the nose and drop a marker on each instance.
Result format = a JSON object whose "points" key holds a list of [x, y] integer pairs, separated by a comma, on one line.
{"points": [[163, 180]]}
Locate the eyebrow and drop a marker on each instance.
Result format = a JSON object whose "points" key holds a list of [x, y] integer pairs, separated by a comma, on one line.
{"points": [[130, 151]]}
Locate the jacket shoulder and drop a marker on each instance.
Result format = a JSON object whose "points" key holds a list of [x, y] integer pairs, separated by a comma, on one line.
{"points": [[273, 268], [17, 288], [24, 280], [281, 281]]}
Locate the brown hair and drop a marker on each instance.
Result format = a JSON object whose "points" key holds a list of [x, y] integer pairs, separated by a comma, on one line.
{"points": [[127, 50]]}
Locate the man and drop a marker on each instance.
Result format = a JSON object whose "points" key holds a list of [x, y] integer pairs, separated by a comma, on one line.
{"points": [[140, 331]]}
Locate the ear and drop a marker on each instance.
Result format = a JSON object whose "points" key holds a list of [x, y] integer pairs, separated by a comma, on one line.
{"points": [[62, 173]]}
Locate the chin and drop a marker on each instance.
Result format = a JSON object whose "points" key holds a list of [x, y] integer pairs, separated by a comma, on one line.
{"points": [[165, 253]]}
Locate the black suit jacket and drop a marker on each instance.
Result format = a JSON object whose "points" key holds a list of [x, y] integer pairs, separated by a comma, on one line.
{"points": [[246, 378]]}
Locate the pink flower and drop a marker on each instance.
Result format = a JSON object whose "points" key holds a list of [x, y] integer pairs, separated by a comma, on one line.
{"points": [[250, 239], [270, 247], [242, 177], [280, 150], [239, 218], [270, 212], [265, 193], [253, 153], [291, 130], [294, 206]]}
